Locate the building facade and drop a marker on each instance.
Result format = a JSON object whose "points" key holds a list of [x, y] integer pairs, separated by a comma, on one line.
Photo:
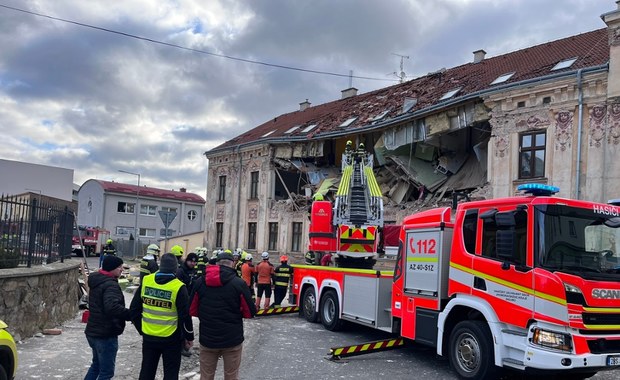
{"points": [[548, 113], [22, 177], [120, 208]]}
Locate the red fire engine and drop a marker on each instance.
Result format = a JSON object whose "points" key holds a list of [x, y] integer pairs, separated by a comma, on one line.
{"points": [[93, 240], [528, 282]]}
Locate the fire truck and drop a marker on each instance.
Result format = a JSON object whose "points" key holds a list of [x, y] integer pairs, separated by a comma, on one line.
{"points": [[93, 240], [530, 282], [350, 226]]}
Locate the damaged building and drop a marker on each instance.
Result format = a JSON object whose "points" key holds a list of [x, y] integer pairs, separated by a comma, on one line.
{"points": [[548, 113]]}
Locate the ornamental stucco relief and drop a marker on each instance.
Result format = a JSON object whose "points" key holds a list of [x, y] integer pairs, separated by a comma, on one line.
{"points": [[598, 116], [614, 124], [563, 130]]}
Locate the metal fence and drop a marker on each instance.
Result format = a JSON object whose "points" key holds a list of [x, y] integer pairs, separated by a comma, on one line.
{"points": [[33, 232]]}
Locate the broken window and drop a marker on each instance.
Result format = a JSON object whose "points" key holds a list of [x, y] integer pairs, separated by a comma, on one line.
{"points": [[406, 134]]}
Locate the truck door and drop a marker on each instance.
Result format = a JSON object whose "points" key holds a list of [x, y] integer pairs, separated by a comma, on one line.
{"points": [[425, 281], [500, 270]]}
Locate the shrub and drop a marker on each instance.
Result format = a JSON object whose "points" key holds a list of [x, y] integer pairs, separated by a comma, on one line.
{"points": [[9, 257]]}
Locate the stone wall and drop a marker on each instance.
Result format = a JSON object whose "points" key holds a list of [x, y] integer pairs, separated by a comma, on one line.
{"points": [[38, 298]]}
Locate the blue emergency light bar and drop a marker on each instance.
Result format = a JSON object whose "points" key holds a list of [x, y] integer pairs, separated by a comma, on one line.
{"points": [[614, 202], [538, 189]]}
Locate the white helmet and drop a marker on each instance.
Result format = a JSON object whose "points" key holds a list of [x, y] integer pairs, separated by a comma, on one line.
{"points": [[152, 249], [248, 257], [265, 255]]}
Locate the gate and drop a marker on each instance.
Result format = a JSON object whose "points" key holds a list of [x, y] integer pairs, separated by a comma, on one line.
{"points": [[33, 231]]}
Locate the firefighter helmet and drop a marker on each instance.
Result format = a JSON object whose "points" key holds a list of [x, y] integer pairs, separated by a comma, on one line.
{"points": [[248, 257], [265, 255], [109, 241], [283, 258], [318, 197], [152, 249], [176, 250]]}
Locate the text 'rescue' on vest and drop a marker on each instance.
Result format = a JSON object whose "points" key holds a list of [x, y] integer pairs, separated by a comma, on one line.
{"points": [[159, 310]]}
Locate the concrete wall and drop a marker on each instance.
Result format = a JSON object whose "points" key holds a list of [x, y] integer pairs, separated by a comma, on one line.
{"points": [[188, 242], [38, 298], [21, 177]]}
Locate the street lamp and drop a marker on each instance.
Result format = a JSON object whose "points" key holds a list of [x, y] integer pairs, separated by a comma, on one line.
{"points": [[136, 210]]}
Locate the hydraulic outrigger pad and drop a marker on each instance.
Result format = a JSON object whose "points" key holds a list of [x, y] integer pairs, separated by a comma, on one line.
{"points": [[366, 348], [277, 310]]}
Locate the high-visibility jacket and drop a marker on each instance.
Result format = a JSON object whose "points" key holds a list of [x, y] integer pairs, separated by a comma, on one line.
{"points": [[283, 275], [159, 310]]}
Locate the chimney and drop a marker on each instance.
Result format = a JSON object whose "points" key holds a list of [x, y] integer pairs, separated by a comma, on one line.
{"points": [[183, 190], [612, 19], [304, 105], [349, 92], [479, 55]]}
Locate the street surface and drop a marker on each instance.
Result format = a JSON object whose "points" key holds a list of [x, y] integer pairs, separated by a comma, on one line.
{"points": [[276, 347]]}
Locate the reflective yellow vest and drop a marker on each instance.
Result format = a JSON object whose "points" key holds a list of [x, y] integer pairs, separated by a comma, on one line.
{"points": [[159, 309]]}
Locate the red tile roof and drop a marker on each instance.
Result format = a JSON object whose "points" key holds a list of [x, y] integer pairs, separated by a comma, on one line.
{"points": [[116, 187], [591, 50]]}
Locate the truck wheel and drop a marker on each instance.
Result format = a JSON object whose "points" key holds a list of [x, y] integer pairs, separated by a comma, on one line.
{"points": [[308, 305], [330, 311], [471, 351]]}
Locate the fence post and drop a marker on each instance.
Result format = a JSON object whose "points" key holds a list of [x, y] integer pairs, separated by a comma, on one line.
{"points": [[32, 230]]}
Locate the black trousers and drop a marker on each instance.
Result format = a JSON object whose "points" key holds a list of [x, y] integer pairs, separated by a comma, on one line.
{"points": [[171, 357], [279, 292]]}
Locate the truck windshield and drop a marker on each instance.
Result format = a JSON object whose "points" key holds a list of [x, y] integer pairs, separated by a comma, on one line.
{"points": [[580, 241]]}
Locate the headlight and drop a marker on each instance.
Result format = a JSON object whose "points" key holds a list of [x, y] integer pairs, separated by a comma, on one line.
{"points": [[551, 339], [574, 295]]}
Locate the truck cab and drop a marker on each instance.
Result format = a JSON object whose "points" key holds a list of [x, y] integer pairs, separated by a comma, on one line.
{"points": [[529, 282]]}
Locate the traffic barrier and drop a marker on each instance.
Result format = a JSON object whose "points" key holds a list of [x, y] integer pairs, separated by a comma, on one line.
{"points": [[366, 348], [277, 311]]}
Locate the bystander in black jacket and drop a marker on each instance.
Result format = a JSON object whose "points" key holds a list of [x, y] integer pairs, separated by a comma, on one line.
{"points": [[221, 301], [187, 274], [107, 307]]}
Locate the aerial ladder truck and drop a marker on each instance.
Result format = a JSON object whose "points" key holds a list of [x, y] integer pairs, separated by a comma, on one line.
{"points": [[349, 227]]}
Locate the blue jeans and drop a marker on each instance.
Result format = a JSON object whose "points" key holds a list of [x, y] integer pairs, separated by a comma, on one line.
{"points": [[104, 358]]}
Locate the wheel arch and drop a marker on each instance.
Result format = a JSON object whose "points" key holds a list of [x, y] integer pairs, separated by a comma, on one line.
{"points": [[307, 282], [464, 308], [326, 286], [7, 360]]}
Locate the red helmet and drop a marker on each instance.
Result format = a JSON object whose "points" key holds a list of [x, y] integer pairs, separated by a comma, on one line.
{"points": [[283, 258]]}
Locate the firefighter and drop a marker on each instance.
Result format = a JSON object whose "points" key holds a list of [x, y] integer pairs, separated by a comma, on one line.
{"points": [[264, 280], [360, 153], [201, 263], [283, 275], [160, 312], [108, 249], [148, 264], [310, 258], [237, 261], [248, 274], [177, 251], [348, 151]]}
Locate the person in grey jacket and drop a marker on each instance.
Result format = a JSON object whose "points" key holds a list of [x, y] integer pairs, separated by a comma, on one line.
{"points": [[107, 318]]}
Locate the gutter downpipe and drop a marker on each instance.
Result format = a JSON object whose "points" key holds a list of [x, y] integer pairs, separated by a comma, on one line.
{"points": [[238, 195], [579, 131]]}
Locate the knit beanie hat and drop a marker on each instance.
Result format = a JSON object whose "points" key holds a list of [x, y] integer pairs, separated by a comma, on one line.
{"points": [[111, 262], [191, 257], [168, 263]]}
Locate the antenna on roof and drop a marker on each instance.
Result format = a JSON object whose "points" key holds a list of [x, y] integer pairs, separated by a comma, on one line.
{"points": [[401, 76], [350, 78]]}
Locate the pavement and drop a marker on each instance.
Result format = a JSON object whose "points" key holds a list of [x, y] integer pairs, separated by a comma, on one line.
{"points": [[68, 355]]}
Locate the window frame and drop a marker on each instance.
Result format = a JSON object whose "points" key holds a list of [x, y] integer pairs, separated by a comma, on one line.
{"points": [[192, 215], [532, 150], [272, 242], [146, 230], [221, 194], [254, 179], [219, 234], [296, 234], [252, 229], [127, 204], [148, 208]]}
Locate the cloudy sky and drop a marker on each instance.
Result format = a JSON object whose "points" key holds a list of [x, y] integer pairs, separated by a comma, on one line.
{"points": [[96, 101]]}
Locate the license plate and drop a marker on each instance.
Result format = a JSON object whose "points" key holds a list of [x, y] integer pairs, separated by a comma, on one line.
{"points": [[613, 360]]}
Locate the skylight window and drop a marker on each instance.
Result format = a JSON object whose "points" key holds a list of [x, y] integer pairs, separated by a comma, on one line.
{"points": [[268, 133], [380, 116], [348, 122], [409, 103], [503, 78], [564, 64], [449, 94], [292, 129], [309, 128]]}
